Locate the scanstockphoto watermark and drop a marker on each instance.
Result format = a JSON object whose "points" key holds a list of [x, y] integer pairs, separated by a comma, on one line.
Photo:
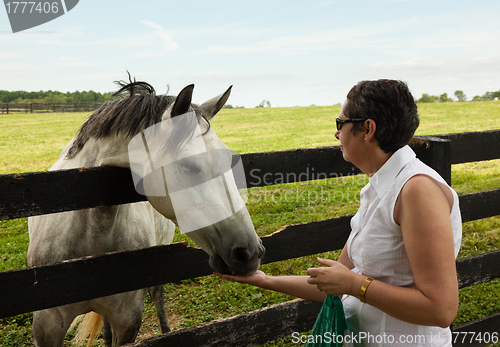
{"points": [[29, 14], [259, 178], [367, 338], [313, 187], [324, 195], [171, 159]]}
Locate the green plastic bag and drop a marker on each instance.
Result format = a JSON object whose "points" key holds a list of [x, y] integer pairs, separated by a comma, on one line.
{"points": [[330, 326]]}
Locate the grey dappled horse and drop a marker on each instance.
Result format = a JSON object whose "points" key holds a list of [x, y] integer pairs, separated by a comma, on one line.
{"points": [[231, 243]]}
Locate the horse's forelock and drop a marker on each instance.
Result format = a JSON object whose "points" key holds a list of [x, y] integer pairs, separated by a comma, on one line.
{"points": [[137, 109], [184, 130]]}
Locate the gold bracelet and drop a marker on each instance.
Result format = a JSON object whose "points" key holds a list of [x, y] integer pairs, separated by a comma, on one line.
{"points": [[364, 287]]}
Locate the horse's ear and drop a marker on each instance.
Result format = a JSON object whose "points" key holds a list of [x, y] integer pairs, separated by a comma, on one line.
{"points": [[183, 101], [214, 105]]}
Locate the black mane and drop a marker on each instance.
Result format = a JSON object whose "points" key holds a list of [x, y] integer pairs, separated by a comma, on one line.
{"points": [[137, 108]]}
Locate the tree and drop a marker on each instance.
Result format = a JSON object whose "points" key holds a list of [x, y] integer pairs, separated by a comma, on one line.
{"points": [[52, 96], [460, 95], [264, 103], [55, 97], [428, 98], [491, 95], [444, 98]]}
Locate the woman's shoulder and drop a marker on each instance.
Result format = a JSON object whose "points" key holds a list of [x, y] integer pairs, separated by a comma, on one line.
{"points": [[422, 191], [419, 183]]}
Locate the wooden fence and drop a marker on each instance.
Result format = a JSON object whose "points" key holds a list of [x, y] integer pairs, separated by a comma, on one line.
{"points": [[48, 107], [35, 288]]}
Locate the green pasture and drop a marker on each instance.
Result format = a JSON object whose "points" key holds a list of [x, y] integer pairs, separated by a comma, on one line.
{"points": [[32, 142]]}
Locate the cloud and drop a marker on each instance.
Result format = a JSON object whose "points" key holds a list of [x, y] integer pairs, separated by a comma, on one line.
{"points": [[155, 43], [434, 76], [66, 60], [8, 55], [360, 37], [14, 66], [488, 63], [43, 39], [260, 76], [377, 37], [415, 66], [162, 41], [324, 87], [477, 67]]}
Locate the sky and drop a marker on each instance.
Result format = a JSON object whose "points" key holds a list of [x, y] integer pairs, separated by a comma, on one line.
{"points": [[291, 53]]}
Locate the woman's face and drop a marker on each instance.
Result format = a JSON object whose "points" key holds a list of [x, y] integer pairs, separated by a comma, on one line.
{"points": [[349, 143]]}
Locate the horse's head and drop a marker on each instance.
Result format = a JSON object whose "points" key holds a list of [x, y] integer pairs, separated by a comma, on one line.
{"points": [[188, 175]]}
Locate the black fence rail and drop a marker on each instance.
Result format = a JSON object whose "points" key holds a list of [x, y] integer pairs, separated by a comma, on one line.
{"points": [[40, 287], [48, 107]]}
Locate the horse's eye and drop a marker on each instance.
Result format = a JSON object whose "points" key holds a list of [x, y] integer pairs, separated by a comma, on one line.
{"points": [[190, 166]]}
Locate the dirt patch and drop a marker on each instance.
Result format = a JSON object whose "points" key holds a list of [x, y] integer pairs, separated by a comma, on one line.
{"points": [[151, 327]]}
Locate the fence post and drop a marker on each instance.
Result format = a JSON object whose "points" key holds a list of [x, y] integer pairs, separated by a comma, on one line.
{"points": [[7, 107], [435, 152]]}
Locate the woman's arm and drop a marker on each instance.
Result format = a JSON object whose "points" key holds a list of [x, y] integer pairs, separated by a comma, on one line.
{"points": [[297, 286], [424, 218], [344, 258], [425, 223]]}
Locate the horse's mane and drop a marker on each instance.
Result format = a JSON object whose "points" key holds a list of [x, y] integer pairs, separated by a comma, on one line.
{"points": [[137, 108]]}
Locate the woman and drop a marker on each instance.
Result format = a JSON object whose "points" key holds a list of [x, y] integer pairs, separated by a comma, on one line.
{"points": [[396, 272]]}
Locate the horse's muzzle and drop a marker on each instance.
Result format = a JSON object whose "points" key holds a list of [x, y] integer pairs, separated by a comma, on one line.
{"points": [[241, 261]]}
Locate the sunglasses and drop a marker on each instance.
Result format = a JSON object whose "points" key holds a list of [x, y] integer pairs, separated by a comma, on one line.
{"points": [[341, 122]]}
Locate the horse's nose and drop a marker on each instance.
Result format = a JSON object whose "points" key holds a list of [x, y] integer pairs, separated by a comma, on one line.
{"points": [[243, 254], [240, 254]]}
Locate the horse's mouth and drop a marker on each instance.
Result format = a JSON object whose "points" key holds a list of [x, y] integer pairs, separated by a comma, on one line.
{"points": [[218, 264], [240, 262]]}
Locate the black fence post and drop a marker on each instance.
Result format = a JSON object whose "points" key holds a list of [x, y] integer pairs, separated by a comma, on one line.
{"points": [[435, 152]]}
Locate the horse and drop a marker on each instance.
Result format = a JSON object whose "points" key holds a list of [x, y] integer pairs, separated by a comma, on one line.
{"points": [[194, 151]]}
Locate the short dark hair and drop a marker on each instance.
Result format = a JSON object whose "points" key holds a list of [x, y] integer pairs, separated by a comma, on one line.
{"points": [[390, 104]]}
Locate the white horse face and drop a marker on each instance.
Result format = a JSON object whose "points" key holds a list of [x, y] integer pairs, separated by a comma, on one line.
{"points": [[188, 175]]}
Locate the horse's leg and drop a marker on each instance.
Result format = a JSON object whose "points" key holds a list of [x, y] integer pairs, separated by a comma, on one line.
{"points": [[108, 333], [126, 330], [50, 327], [156, 294], [126, 319]]}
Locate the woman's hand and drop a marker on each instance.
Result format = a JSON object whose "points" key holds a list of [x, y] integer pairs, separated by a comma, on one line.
{"points": [[335, 278], [292, 285], [258, 278]]}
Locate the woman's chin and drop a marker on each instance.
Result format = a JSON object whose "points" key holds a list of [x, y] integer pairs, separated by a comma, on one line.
{"points": [[346, 157]]}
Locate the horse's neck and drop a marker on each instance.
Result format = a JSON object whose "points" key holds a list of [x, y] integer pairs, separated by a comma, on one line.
{"points": [[110, 151]]}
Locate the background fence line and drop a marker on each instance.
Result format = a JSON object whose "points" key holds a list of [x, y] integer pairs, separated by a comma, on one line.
{"points": [[33, 193], [48, 107]]}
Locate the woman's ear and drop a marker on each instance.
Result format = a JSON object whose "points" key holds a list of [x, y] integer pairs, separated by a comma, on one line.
{"points": [[370, 127]]}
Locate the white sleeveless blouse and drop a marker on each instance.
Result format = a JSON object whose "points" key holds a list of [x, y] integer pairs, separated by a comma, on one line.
{"points": [[376, 248]]}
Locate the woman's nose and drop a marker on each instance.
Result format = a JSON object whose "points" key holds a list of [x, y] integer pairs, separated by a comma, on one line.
{"points": [[337, 134]]}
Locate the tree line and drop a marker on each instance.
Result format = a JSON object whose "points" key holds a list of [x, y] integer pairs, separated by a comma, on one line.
{"points": [[91, 96], [50, 96], [460, 95]]}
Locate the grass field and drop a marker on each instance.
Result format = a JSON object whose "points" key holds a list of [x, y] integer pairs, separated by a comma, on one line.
{"points": [[33, 142]]}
